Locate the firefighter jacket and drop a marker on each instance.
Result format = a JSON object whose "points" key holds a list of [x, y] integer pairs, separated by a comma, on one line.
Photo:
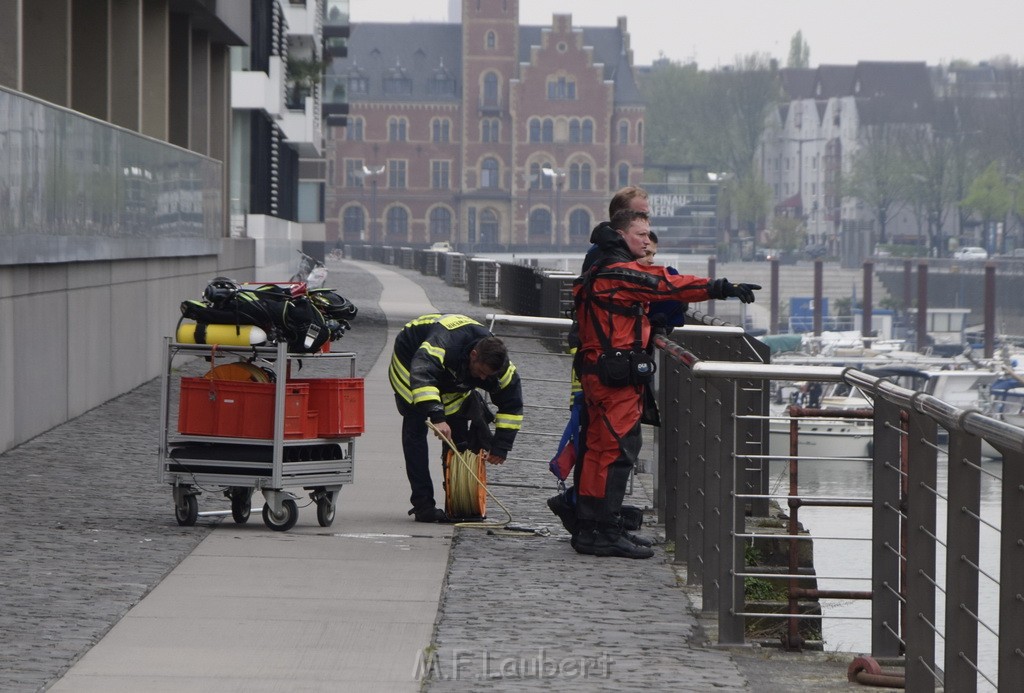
{"points": [[614, 293], [430, 371]]}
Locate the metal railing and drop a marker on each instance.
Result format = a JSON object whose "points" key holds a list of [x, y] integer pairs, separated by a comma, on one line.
{"points": [[712, 471]]}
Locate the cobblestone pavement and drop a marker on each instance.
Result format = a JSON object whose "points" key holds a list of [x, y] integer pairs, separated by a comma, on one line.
{"points": [[89, 530]]}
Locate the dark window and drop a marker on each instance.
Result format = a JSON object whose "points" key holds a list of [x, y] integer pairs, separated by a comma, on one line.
{"points": [[440, 173], [397, 86], [574, 131], [623, 175], [535, 176], [579, 177], [489, 232], [397, 129], [358, 86], [561, 89], [639, 133], [441, 129], [588, 131], [579, 223], [624, 132], [440, 224], [353, 222], [548, 130], [490, 89], [396, 173], [547, 182], [489, 173], [398, 221], [535, 129], [491, 39], [354, 129], [353, 173], [540, 222], [489, 131]]}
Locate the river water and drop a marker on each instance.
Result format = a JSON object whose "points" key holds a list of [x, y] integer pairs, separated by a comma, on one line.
{"points": [[846, 627]]}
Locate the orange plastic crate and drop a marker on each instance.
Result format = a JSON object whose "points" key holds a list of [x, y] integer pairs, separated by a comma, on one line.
{"points": [[339, 402], [238, 409]]}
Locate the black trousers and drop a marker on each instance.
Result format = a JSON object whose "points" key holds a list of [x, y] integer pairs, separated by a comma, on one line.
{"points": [[470, 430]]}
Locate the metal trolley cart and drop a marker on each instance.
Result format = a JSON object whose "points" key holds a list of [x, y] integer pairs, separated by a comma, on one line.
{"points": [[239, 437]]}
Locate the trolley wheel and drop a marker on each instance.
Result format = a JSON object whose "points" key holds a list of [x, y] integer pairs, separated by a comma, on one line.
{"points": [[188, 512], [325, 508], [286, 520], [241, 505]]}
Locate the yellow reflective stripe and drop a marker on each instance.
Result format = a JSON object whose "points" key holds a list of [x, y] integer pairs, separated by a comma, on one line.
{"points": [[399, 377], [452, 322], [453, 401], [512, 421], [435, 351], [427, 393], [423, 320], [506, 377]]}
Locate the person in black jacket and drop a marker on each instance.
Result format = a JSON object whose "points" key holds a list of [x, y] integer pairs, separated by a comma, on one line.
{"points": [[438, 363]]}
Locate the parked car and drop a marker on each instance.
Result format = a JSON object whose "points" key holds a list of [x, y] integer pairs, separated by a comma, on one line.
{"points": [[971, 252]]}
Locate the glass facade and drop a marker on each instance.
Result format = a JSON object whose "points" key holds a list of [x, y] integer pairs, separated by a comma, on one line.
{"points": [[73, 188]]}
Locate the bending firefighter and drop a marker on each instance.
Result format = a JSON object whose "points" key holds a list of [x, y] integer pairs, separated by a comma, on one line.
{"points": [[438, 363], [612, 298]]}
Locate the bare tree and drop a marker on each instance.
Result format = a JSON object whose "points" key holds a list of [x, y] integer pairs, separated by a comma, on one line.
{"points": [[878, 174]]}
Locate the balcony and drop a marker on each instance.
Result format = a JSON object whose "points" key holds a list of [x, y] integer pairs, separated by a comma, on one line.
{"points": [[336, 46], [336, 18], [335, 101]]}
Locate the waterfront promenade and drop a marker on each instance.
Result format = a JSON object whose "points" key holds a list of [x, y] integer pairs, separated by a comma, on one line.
{"points": [[103, 591]]}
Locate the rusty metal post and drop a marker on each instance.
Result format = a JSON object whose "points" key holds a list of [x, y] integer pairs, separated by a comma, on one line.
{"points": [[990, 309], [866, 310], [885, 530], [922, 306], [963, 506], [922, 484], [773, 321], [818, 265]]}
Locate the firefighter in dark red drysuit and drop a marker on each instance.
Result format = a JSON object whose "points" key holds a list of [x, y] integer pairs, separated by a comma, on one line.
{"points": [[438, 363], [611, 301]]}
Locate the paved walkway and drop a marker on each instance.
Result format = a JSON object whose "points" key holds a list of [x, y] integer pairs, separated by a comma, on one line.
{"points": [[102, 591]]}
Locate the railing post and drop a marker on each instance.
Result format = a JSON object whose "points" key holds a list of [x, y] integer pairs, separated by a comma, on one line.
{"points": [[922, 488], [691, 477], [731, 519], [885, 521], [711, 518], [962, 550], [1011, 572], [670, 500]]}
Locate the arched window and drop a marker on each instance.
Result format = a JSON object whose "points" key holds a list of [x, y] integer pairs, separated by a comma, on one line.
{"points": [[546, 182], [440, 224], [588, 131], [548, 130], [579, 177], [535, 176], [491, 40], [490, 89], [489, 173], [574, 131], [535, 129], [623, 175], [639, 133], [398, 221], [540, 223], [353, 222], [623, 132], [579, 223], [489, 232], [397, 129]]}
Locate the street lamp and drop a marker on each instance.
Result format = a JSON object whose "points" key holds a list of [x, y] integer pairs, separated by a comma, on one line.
{"points": [[372, 172], [558, 177]]}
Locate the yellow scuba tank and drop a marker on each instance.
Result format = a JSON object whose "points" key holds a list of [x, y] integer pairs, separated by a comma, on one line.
{"points": [[229, 335]]}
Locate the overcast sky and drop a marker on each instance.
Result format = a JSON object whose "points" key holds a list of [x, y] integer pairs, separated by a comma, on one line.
{"points": [[714, 33]]}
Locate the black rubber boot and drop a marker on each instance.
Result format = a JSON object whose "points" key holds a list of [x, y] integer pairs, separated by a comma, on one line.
{"points": [[632, 517], [607, 541], [565, 512], [429, 515]]}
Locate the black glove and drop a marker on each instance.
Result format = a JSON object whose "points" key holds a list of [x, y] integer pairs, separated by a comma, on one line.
{"points": [[723, 288], [659, 324]]}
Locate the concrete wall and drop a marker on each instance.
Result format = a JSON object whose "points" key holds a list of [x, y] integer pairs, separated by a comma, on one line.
{"points": [[85, 332]]}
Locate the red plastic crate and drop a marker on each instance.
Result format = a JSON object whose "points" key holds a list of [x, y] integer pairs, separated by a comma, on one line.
{"points": [[238, 409], [339, 402]]}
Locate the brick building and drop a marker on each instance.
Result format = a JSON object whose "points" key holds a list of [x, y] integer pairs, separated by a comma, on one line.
{"points": [[486, 134]]}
